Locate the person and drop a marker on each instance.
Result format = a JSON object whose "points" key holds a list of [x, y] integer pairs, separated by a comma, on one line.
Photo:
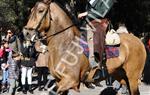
{"points": [[42, 63], [27, 64], [148, 44], [13, 41], [3, 64], [96, 11], [13, 73], [16, 45], [99, 23]]}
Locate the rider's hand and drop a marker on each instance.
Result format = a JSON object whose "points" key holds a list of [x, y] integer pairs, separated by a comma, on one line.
{"points": [[82, 14]]}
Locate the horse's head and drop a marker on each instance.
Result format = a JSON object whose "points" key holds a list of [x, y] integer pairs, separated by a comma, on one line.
{"points": [[39, 21], [47, 19]]}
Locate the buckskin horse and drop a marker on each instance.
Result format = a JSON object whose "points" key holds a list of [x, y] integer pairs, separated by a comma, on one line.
{"points": [[67, 63]]}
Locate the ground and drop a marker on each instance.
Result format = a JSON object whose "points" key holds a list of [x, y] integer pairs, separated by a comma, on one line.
{"points": [[144, 90]]}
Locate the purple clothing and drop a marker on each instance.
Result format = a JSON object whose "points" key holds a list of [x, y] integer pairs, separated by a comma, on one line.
{"points": [[112, 51], [85, 46], [13, 70]]}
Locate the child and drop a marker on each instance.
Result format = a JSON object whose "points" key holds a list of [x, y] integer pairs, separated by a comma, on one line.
{"points": [[13, 72], [12, 68], [3, 60]]}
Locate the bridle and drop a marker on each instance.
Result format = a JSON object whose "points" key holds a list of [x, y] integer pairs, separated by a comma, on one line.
{"points": [[40, 22]]}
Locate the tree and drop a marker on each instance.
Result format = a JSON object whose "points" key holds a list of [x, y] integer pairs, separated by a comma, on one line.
{"points": [[14, 13], [132, 13]]}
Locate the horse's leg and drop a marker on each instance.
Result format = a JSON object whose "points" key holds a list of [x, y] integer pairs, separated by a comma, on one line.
{"points": [[112, 64], [67, 83], [65, 92], [134, 90]]}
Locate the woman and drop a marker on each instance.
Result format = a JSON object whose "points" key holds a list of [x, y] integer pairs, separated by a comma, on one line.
{"points": [[27, 64], [42, 64]]}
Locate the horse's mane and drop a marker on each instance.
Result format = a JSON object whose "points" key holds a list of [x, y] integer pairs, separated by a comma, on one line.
{"points": [[62, 4]]}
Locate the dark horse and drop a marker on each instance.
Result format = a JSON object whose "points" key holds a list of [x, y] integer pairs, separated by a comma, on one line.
{"points": [[67, 63]]}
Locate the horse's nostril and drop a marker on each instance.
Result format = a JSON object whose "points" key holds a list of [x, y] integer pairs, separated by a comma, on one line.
{"points": [[25, 28], [27, 34]]}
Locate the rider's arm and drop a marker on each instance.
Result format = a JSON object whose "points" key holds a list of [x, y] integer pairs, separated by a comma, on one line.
{"points": [[82, 14]]}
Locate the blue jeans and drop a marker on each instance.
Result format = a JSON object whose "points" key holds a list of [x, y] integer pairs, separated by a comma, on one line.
{"points": [[13, 85], [5, 76]]}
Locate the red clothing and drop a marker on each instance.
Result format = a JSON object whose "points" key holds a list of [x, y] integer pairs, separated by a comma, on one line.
{"points": [[2, 51], [149, 42], [148, 45]]}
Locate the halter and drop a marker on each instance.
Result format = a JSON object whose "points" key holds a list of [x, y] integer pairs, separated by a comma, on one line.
{"points": [[43, 17], [40, 22]]}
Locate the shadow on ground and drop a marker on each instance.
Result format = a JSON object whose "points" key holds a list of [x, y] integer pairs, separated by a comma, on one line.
{"points": [[108, 91]]}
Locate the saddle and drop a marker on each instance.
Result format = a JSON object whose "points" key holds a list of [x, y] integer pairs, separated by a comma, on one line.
{"points": [[112, 43], [112, 38]]}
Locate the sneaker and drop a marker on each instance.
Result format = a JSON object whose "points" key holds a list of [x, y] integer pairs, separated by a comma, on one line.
{"points": [[40, 89], [45, 89]]}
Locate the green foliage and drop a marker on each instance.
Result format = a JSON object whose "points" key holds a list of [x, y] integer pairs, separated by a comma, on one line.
{"points": [[135, 13], [14, 13]]}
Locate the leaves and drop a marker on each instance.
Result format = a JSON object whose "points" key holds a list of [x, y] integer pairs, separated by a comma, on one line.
{"points": [[14, 13]]}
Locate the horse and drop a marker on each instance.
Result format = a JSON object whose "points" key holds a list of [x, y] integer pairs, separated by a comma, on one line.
{"points": [[67, 63]]}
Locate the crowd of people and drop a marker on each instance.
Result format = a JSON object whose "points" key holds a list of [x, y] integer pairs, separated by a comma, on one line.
{"points": [[17, 61]]}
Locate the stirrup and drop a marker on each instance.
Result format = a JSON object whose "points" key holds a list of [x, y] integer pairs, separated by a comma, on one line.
{"points": [[100, 73]]}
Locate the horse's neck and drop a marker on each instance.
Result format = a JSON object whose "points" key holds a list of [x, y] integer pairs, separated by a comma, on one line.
{"points": [[62, 41], [61, 22]]}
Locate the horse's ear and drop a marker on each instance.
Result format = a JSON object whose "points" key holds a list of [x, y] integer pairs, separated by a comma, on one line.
{"points": [[32, 9], [47, 1]]}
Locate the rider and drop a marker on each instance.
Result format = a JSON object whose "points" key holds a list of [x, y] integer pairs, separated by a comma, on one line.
{"points": [[96, 10]]}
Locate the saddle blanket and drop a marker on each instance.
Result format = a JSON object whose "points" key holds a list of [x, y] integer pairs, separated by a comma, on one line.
{"points": [[85, 46], [112, 51]]}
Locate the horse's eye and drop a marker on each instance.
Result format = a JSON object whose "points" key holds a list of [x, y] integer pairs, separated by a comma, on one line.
{"points": [[41, 11]]}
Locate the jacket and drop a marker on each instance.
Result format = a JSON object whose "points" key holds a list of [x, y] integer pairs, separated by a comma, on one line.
{"points": [[14, 43], [43, 57]]}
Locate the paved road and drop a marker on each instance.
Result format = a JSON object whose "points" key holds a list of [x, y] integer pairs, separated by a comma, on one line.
{"points": [[144, 90]]}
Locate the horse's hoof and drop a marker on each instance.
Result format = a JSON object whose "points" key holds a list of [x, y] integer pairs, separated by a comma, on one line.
{"points": [[90, 86], [98, 84]]}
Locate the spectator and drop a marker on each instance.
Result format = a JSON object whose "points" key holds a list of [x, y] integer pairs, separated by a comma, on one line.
{"points": [[13, 72], [4, 66], [42, 64], [15, 44], [148, 45], [27, 66], [13, 41]]}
